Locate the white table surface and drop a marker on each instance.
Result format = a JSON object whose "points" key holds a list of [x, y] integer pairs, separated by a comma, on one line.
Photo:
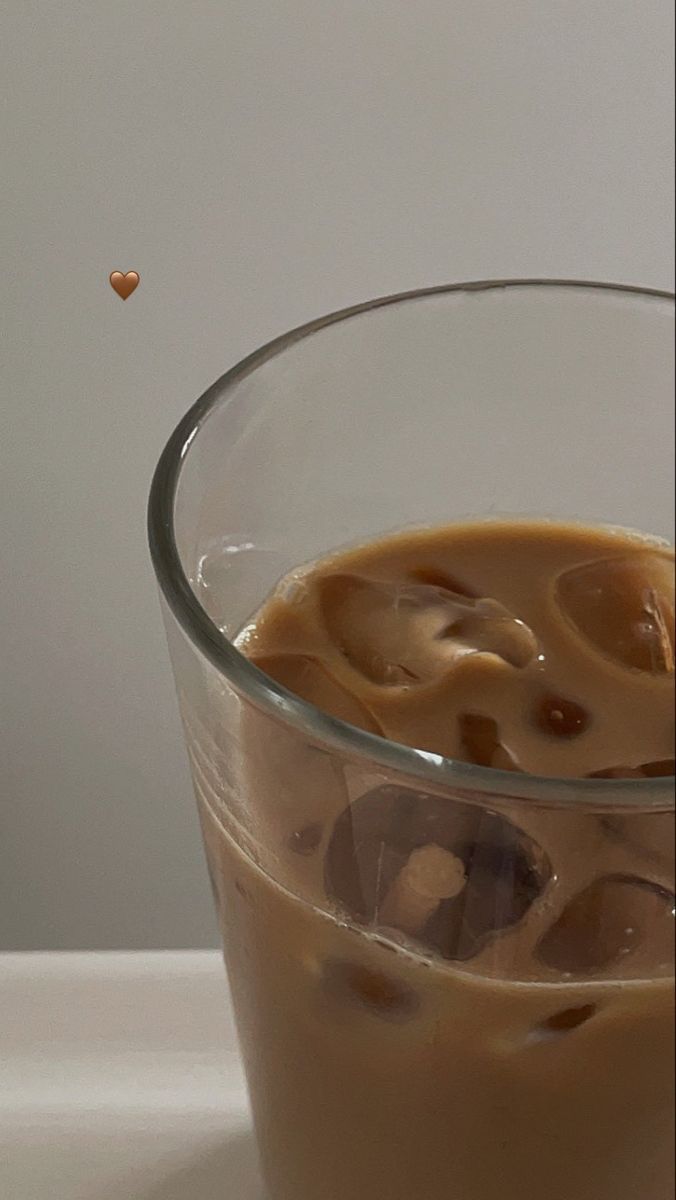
{"points": [[120, 1080]]}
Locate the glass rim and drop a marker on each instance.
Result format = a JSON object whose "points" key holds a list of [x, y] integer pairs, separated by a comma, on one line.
{"points": [[277, 701]]}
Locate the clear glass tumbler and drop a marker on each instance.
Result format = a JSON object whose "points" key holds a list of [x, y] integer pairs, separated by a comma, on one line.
{"points": [[379, 1071]]}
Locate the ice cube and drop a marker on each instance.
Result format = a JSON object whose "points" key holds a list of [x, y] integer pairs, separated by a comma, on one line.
{"points": [[431, 874], [436, 869], [611, 920], [374, 837], [625, 607], [506, 872], [310, 680], [406, 633], [486, 625]]}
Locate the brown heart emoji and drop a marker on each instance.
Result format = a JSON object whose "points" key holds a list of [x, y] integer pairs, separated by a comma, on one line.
{"points": [[124, 285]]}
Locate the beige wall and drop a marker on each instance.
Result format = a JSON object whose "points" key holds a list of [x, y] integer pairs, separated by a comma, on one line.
{"points": [[257, 161]]}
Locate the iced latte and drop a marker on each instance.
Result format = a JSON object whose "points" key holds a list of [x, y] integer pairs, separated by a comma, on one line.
{"points": [[447, 994]]}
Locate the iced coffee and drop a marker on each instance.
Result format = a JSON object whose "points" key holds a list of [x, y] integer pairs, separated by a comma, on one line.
{"points": [[452, 994]]}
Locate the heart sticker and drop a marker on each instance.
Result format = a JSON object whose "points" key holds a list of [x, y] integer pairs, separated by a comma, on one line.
{"points": [[124, 285]]}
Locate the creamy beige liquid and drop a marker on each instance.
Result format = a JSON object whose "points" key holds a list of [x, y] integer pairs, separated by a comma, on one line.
{"points": [[484, 1009], [386, 636]]}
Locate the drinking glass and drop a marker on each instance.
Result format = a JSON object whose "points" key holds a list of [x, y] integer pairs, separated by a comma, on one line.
{"points": [[378, 1068]]}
